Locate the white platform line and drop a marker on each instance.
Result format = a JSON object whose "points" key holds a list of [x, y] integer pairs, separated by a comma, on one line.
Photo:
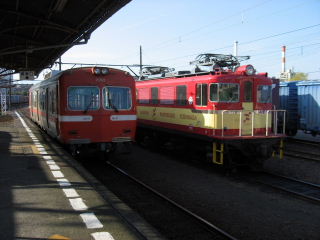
{"points": [[50, 162], [57, 174], [102, 236], [78, 204], [91, 220], [63, 182], [54, 166], [70, 192]]}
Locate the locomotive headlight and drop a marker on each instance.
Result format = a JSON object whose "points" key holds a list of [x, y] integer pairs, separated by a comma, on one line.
{"points": [[97, 71], [250, 70], [104, 70]]}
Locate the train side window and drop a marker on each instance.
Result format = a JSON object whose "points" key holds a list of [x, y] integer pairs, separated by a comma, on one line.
{"points": [[34, 95], [167, 95], [214, 92], [50, 101], [264, 94], [143, 95], [228, 92], [181, 92], [154, 95], [202, 94], [248, 91]]}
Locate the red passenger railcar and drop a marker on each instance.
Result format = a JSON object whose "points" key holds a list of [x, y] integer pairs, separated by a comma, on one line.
{"points": [[228, 110], [86, 107]]}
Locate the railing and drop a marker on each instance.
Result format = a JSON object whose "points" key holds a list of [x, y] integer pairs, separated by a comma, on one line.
{"points": [[274, 122]]}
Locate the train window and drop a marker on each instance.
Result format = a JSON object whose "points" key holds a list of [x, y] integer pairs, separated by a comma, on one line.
{"points": [[264, 94], [167, 95], [117, 98], [42, 97], [202, 95], [50, 102], [248, 91], [34, 95], [228, 92], [144, 95], [181, 92], [154, 95], [83, 98], [214, 92]]}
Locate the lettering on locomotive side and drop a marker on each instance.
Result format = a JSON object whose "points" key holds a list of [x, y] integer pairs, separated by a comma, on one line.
{"points": [[167, 115], [187, 116]]}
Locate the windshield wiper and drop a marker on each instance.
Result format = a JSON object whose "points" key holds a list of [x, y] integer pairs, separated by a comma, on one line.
{"points": [[111, 104], [89, 105]]}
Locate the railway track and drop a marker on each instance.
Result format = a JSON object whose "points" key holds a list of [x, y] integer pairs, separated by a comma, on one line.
{"points": [[305, 190], [302, 149], [211, 227]]}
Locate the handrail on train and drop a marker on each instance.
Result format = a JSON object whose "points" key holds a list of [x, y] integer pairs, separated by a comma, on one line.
{"points": [[275, 121]]}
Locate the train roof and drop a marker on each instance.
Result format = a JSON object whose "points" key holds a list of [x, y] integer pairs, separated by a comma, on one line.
{"points": [[59, 74], [217, 72], [308, 82]]}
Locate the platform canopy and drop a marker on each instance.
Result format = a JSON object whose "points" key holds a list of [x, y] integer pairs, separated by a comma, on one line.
{"points": [[35, 33]]}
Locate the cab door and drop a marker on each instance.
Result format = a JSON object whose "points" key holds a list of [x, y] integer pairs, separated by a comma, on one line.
{"points": [[247, 106]]}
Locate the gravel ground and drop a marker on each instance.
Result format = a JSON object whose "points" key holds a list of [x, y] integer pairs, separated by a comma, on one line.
{"points": [[296, 168], [246, 210], [306, 170]]}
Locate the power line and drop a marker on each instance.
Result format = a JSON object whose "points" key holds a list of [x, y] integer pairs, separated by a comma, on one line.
{"points": [[195, 30], [280, 34], [245, 43], [227, 27], [210, 25]]}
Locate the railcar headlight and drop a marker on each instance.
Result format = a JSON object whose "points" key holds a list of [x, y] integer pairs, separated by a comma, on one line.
{"points": [[250, 70], [97, 71], [104, 70]]}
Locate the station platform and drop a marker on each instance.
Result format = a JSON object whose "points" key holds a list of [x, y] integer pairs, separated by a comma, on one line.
{"points": [[45, 194]]}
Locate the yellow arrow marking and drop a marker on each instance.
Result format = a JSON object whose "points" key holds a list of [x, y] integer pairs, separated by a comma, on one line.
{"points": [[59, 237]]}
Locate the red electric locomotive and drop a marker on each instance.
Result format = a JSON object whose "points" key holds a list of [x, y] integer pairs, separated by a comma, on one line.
{"points": [[86, 107], [227, 111]]}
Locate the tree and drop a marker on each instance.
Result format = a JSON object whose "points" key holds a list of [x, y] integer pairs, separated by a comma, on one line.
{"points": [[299, 76]]}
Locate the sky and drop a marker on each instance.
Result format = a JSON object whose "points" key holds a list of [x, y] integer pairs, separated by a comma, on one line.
{"points": [[173, 32]]}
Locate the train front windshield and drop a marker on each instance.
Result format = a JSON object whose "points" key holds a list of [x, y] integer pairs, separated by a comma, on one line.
{"points": [[117, 98], [83, 98]]}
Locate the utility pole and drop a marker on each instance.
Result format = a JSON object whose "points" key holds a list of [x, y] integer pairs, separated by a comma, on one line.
{"points": [[235, 49], [9, 102], [60, 63], [140, 59]]}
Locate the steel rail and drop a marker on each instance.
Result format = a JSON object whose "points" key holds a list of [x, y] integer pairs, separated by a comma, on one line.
{"points": [[306, 190], [202, 220]]}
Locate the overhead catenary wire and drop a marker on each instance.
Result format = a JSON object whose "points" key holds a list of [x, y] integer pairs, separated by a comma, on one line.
{"points": [[205, 35], [244, 43]]}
